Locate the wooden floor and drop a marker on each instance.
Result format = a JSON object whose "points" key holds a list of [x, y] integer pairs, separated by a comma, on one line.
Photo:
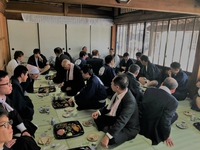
{"points": [[184, 139]]}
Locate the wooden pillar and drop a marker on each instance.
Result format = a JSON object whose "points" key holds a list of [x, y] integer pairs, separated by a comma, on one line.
{"points": [[113, 37]]}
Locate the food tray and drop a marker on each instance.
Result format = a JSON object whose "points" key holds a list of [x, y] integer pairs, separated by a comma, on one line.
{"points": [[61, 103], [81, 148], [47, 89], [197, 125], [71, 129]]}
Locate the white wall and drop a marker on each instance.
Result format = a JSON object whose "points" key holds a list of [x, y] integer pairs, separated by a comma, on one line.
{"points": [[22, 36], [27, 36]]}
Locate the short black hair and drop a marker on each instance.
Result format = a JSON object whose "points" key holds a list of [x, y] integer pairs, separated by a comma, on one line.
{"points": [[19, 70], [126, 54], [82, 53], [138, 54], [3, 74], [58, 50], [134, 68], [36, 51], [144, 58], [175, 65], [122, 81], [108, 59], [3, 112], [87, 69], [18, 54]]}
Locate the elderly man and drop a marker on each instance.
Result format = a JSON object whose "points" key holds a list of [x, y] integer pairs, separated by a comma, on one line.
{"points": [[40, 61], [93, 94], [73, 81], [115, 57], [158, 112], [134, 85], [182, 79], [120, 118]]}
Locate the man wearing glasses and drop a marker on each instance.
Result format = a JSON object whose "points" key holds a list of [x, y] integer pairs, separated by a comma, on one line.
{"points": [[5, 103]]}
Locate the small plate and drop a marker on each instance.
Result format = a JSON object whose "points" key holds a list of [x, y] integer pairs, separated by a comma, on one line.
{"points": [[93, 137], [69, 109], [66, 115], [187, 113], [88, 123], [182, 125]]}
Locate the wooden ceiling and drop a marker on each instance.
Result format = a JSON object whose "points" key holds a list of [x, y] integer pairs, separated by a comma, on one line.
{"points": [[99, 8]]}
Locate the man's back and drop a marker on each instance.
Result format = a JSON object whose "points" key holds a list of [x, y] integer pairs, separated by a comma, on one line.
{"points": [[156, 112], [96, 64]]}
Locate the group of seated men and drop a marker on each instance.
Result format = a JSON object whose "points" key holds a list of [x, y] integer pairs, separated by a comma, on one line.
{"points": [[89, 81]]}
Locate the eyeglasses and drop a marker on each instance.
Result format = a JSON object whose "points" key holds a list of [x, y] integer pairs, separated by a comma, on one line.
{"points": [[5, 124], [8, 84]]}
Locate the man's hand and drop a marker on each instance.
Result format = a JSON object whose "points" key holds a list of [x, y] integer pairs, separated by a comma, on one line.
{"points": [[68, 88], [169, 142], [105, 141], [70, 101], [10, 143], [60, 84], [95, 114], [26, 134]]}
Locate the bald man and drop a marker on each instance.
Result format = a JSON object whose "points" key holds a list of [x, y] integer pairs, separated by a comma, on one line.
{"points": [[73, 81], [158, 112]]}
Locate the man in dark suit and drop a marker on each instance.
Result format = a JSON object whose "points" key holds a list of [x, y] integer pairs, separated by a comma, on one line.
{"points": [[119, 119], [157, 112], [125, 62], [73, 81], [95, 62], [134, 85], [59, 76], [40, 61], [150, 74], [182, 79]]}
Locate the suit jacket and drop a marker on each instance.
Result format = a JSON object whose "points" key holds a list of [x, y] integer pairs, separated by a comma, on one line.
{"points": [[127, 117], [77, 83], [41, 64], [125, 64], [96, 64], [152, 72], [20, 102], [156, 112], [134, 87]]}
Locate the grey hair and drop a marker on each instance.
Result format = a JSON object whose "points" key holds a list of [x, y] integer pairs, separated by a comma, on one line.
{"points": [[170, 82], [134, 68]]}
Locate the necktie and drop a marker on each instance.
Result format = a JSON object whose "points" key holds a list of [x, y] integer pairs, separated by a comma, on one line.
{"points": [[5, 105], [67, 75], [113, 107]]}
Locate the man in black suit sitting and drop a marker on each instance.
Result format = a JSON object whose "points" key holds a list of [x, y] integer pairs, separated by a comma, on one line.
{"points": [[95, 62]]}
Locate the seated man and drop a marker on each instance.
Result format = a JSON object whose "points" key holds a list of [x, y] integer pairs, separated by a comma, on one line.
{"points": [[33, 74], [24, 127], [93, 94], [134, 85], [120, 118], [125, 63], [21, 103], [81, 61], [195, 105], [95, 62], [73, 81], [59, 76], [182, 79], [107, 73], [12, 64], [116, 58], [158, 112], [150, 74], [138, 62], [40, 61], [89, 56]]}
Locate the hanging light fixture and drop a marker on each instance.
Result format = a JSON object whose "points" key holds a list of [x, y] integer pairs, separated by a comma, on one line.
{"points": [[123, 1]]}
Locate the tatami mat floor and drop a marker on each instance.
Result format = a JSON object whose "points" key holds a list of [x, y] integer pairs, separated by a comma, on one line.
{"points": [[184, 139]]}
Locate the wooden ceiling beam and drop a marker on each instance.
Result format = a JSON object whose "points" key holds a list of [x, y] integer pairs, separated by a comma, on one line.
{"points": [[142, 16], [174, 6]]}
